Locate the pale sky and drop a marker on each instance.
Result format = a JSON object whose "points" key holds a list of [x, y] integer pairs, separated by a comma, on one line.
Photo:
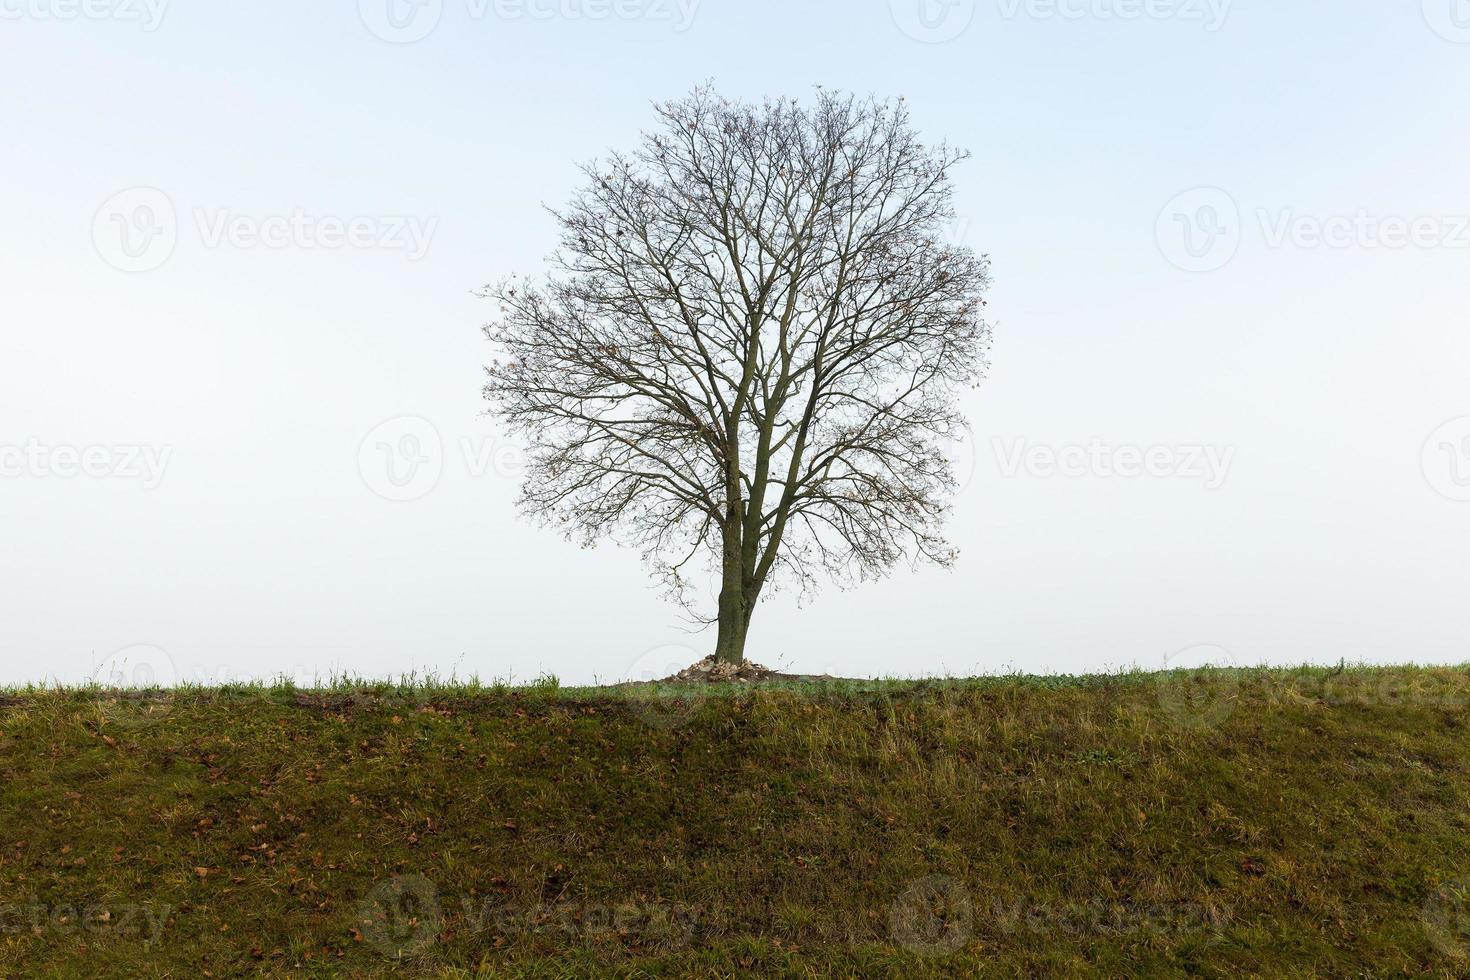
{"points": [[241, 430]]}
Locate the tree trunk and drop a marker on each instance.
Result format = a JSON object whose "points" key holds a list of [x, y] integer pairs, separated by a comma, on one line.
{"points": [[734, 615], [730, 645]]}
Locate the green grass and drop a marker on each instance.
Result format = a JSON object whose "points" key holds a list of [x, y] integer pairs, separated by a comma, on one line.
{"points": [[1269, 823]]}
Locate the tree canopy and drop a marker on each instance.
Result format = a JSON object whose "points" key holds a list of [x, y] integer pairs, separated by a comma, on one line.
{"points": [[748, 348]]}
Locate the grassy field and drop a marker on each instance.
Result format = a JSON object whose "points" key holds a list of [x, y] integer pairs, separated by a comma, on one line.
{"points": [[1292, 823]]}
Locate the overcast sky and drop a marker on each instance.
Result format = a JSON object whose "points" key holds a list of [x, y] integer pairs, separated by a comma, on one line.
{"points": [[241, 430]]}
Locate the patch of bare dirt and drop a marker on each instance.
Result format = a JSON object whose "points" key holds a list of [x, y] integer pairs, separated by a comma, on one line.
{"points": [[712, 671]]}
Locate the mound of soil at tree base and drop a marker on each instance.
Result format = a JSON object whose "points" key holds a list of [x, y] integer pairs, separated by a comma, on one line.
{"points": [[712, 671]]}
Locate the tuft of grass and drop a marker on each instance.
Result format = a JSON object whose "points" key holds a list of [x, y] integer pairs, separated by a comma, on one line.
{"points": [[1306, 822]]}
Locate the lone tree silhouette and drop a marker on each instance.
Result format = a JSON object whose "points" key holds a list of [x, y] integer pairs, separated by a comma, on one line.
{"points": [[749, 348]]}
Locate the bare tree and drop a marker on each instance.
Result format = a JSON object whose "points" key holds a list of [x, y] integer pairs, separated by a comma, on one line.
{"points": [[749, 348]]}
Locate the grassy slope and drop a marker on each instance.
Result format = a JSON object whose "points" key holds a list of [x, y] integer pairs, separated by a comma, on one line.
{"points": [[1272, 823]]}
